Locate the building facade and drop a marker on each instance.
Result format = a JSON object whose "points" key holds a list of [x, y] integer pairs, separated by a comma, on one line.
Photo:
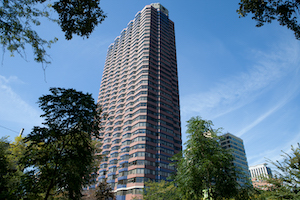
{"points": [[237, 149], [258, 174], [260, 171], [140, 101]]}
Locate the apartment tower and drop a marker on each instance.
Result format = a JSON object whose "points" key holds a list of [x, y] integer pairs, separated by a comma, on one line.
{"points": [[139, 97]]}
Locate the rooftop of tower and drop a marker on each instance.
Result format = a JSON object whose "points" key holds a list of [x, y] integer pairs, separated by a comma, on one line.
{"points": [[158, 6]]}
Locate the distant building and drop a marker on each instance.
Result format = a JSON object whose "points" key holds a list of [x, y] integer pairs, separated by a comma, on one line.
{"points": [[260, 171], [236, 145], [258, 174]]}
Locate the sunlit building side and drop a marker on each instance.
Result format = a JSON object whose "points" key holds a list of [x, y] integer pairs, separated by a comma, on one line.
{"points": [[139, 97]]}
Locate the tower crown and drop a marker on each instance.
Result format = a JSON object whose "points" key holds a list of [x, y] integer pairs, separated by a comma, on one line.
{"points": [[158, 6]]}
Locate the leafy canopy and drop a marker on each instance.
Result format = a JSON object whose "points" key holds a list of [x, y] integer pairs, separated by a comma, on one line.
{"points": [[204, 167], [4, 169], [286, 180], [286, 12], [61, 155], [103, 191], [162, 190], [18, 19], [11, 171]]}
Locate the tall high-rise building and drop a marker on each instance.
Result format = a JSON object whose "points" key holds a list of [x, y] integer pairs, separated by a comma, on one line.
{"points": [[237, 149], [139, 97]]}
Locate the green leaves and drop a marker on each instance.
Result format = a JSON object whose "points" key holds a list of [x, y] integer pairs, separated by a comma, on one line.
{"points": [[204, 170], [161, 191], [104, 191], [11, 171], [79, 17], [285, 183], [204, 165], [265, 11], [4, 169], [61, 155], [58, 159], [18, 18], [68, 108]]}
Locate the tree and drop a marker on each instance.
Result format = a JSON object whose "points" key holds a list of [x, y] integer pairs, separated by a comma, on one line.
{"points": [[204, 166], [249, 192], [286, 180], [103, 191], [60, 157], [10, 170], [265, 11], [163, 190], [4, 169], [17, 18]]}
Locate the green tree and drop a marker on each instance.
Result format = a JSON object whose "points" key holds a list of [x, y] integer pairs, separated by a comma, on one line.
{"points": [[19, 17], [286, 180], [204, 166], [249, 192], [163, 190], [103, 191], [286, 12], [10, 169], [4, 169], [60, 157]]}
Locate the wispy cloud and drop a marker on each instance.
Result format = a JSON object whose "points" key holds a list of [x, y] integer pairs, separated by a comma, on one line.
{"points": [[260, 119], [12, 107], [276, 153], [238, 90], [292, 91]]}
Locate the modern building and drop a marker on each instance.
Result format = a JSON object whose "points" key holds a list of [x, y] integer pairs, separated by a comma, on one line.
{"points": [[258, 174], [260, 171], [236, 147], [139, 97]]}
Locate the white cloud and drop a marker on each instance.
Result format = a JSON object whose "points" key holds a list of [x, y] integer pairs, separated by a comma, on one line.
{"points": [[292, 91], [236, 91], [13, 107], [276, 153]]}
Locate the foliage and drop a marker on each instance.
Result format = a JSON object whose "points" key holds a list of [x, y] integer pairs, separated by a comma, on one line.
{"points": [[10, 170], [102, 192], [60, 157], [78, 17], [265, 11], [204, 165], [286, 181], [17, 18], [4, 168], [161, 191], [249, 193]]}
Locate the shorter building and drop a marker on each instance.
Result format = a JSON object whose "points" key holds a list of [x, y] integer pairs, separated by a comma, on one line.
{"points": [[236, 145], [259, 173]]}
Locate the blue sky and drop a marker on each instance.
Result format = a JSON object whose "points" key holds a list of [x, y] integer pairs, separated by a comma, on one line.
{"points": [[245, 79]]}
